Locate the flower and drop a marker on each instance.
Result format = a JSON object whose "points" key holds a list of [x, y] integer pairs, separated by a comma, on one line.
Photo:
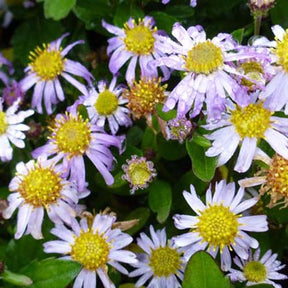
{"points": [[276, 91], [261, 7], [11, 129], [209, 72], [106, 104], [138, 172], [38, 186], [256, 270], [12, 92], [178, 129], [162, 261], [247, 125], [144, 95], [94, 247], [193, 3], [47, 64], [73, 137], [135, 42], [218, 224]]}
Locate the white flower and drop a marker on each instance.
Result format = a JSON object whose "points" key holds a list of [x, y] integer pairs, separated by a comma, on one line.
{"points": [[256, 270], [94, 247], [218, 224], [162, 261]]}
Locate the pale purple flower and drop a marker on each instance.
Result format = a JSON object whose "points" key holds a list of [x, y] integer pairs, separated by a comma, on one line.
{"points": [[209, 71], [162, 263], [106, 104], [73, 138], [245, 126], [95, 247], [11, 129], [47, 65], [258, 270], [219, 224], [193, 3], [178, 129], [12, 92], [38, 186], [135, 43]]}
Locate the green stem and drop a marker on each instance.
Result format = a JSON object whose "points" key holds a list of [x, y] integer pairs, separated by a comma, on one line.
{"points": [[257, 24]]}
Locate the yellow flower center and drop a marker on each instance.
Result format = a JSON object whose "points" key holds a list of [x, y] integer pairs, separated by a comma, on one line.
{"points": [[255, 271], [3, 123], [281, 51], [218, 226], [144, 95], [139, 173], [251, 121], [204, 58], [47, 64], [164, 261], [90, 249], [107, 103], [254, 71], [139, 39], [41, 186], [72, 134]]}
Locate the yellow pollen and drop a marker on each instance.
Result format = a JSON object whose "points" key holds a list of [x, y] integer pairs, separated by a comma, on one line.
{"points": [[3, 123], [107, 103], [165, 261], [139, 173], [218, 226], [254, 71], [144, 95], [91, 250], [251, 121], [41, 186], [255, 271], [277, 180], [204, 58], [281, 51], [72, 135], [139, 39], [47, 64]]}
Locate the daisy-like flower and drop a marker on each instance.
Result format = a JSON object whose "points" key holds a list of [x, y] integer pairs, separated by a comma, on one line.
{"points": [[11, 129], [12, 92], [94, 247], [247, 125], [219, 224], [261, 7], [47, 65], [273, 180], [256, 270], [208, 66], [193, 3], [276, 91], [138, 172], [73, 137], [162, 261], [106, 104], [178, 129], [144, 95], [38, 186], [135, 43]]}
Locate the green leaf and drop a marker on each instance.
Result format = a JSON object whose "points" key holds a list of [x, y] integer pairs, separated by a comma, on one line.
{"points": [[261, 286], [279, 13], [16, 279], [142, 214], [180, 11], [160, 199], [238, 35], [165, 115], [56, 9], [163, 20], [201, 141], [202, 272], [52, 273], [203, 166]]}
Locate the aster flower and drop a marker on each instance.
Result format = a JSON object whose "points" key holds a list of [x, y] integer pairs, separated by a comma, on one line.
{"points": [[193, 3], [178, 129], [138, 172], [256, 270], [12, 92], [95, 248], [38, 186], [209, 72], [107, 104], [162, 261], [144, 95], [11, 129], [260, 7], [73, 137], [47, 65], [135, 43], [246, 126], [219, 224]]}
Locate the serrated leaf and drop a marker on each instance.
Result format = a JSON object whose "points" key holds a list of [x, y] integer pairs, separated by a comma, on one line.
{"points": [[160, 199], [52, 273], [56, 9], [203, 166], [202, 272]]}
